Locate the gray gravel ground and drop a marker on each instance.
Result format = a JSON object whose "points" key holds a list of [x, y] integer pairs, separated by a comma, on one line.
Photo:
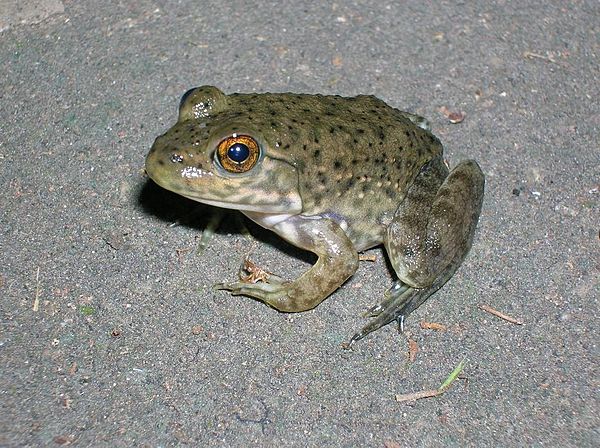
{"points": [[111, 334]]}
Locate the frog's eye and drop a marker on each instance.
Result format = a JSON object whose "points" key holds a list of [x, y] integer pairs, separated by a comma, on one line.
{"points": [[238, 153]]}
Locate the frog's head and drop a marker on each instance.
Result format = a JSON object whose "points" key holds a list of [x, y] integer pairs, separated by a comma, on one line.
{"points": [[214, 155]]}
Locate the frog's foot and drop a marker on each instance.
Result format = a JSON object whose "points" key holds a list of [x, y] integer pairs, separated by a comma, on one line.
{"points": [[210, 229], [397, 289], [256, 282], [302, 294], [399, 301], [271, 293], [218, 215]]}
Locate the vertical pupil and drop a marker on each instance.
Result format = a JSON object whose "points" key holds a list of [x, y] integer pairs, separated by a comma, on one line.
{"points": [[238, 152]]}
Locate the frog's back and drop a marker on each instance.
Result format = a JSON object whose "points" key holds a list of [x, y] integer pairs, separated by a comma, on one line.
{"points": [[356, 156]]}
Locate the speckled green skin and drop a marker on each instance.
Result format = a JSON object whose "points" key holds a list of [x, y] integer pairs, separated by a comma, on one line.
{"points": [[335, 176]]}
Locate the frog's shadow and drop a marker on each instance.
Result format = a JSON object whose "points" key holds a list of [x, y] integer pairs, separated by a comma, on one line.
{"points": [[173, 208]]}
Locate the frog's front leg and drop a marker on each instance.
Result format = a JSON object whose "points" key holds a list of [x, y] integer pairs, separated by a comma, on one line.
{"points": [[337, 261], [429, 236]]}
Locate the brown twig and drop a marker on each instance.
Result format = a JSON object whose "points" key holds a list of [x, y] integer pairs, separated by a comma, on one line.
{"points": [[413, 349], [532, 55], [501, 315], [432, 326], [434, 392], [418, 395], [36, 300]]}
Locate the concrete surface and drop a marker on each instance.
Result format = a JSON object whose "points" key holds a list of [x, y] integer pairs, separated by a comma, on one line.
{"points": [[111, 334]]}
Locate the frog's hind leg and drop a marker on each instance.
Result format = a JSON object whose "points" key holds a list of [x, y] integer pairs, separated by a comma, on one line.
{"points": [[337, 261], [430, 235]]}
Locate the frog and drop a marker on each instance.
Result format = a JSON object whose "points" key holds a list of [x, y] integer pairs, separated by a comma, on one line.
{"points": [[331, 175]]}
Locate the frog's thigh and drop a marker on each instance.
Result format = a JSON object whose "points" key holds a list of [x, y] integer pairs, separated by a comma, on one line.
{"points": [[433, 228], [337, 261]]}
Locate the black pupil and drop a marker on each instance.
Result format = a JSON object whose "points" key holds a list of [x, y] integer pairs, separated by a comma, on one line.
{"points": [[238, 152]]}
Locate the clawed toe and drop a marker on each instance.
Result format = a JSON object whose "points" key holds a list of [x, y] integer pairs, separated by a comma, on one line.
{"points": [[257, 290], [399, 301]]}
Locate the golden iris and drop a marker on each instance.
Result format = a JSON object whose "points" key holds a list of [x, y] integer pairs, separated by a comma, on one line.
{"points": [[238, 153]]}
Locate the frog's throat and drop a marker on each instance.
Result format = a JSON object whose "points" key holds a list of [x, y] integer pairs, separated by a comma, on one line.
{"points": [[289, 205]]}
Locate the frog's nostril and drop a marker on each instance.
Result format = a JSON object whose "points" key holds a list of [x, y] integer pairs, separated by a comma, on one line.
{"points": [[176, 158]]}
